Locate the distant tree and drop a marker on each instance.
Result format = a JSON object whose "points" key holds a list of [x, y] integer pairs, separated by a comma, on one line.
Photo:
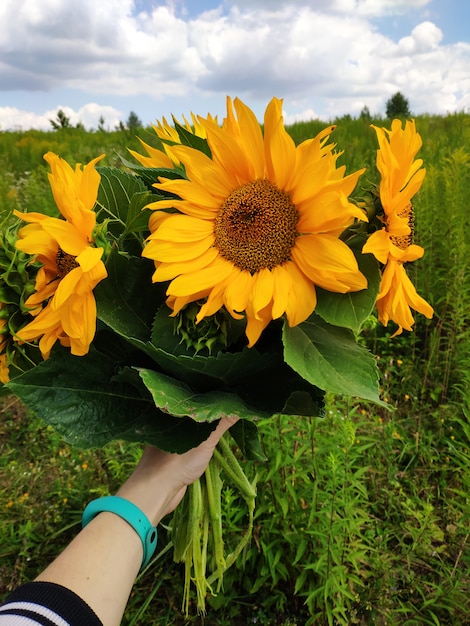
{"points": [[61, 121], [101, 124], [397, 106], [365, 113], [80, 126], [133, 121]]}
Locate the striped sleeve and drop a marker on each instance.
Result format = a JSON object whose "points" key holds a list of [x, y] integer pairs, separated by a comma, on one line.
{"points": [[46, 604]]}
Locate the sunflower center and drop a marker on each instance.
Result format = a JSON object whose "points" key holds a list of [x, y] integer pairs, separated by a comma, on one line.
{"points": [[65, 262], [405, 241], [256, 226]]}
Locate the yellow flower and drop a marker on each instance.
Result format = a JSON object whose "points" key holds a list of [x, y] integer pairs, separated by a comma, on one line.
{"points": [[401, 178], [168, 135], [258, 224], [63, 304]]}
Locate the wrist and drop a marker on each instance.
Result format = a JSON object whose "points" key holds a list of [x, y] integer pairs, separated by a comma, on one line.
{"points": [[150, 494]]}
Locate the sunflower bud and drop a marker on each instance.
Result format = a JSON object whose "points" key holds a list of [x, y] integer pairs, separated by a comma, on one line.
{"points": [[209, 333]]}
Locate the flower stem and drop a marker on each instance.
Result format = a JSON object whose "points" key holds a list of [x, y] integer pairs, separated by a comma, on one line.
{"points": [[199, 517]]}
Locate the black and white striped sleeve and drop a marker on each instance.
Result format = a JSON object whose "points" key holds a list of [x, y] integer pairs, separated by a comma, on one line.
{"points": [[46, 604]]}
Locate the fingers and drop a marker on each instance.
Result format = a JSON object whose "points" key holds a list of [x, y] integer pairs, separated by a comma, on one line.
{"points": [[222, 427]]}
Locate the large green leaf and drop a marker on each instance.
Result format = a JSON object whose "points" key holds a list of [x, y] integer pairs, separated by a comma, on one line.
{"points": [[330, 358], [350, 310], [84, 401], [127, 300], [177, 398], [115, 192]]}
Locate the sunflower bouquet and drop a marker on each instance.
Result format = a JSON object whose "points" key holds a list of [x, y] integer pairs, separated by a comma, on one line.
{"points": [[227, 271]]}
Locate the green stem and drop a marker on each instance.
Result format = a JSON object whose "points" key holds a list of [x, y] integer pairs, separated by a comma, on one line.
{"points": [[229, 463], [214, 491], [198, 514]]}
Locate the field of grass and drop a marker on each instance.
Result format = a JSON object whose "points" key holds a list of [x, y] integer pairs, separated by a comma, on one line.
{"points": [[363, 516]]}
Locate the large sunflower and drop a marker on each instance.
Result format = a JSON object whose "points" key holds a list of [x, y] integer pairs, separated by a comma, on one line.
{"points": [[401, 178], [258, 223], [63, 304]]}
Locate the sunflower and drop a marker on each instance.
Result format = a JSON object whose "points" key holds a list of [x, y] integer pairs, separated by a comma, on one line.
{"points": [[63, 304], [168, 135], [258, 223], [393, 245]]}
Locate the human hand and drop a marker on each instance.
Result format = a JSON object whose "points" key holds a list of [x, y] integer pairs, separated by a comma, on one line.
{"points": [[159, 481]]}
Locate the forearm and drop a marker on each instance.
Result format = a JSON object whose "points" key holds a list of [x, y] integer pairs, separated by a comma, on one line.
{"points": [[100, 566]]}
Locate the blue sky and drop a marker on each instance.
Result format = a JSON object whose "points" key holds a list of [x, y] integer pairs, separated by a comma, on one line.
{"points": [[325, 58]]}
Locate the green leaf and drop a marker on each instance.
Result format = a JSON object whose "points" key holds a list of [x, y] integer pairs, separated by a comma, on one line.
{"points": [[329, 358], [115, 192], [246, 436], [193, 141], [137, 218], [151, 175], [177, 398], [351, 310], [306, 403], [127, 299], [84, 401]]}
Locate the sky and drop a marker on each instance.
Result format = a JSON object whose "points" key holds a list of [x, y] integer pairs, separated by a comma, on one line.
{"points": [[325, 58]]}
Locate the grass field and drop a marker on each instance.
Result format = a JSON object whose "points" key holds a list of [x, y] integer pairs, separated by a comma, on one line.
{"points": [[363, 516]]}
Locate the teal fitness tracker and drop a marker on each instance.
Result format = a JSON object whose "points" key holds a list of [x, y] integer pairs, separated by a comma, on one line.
{"points": [[132, 515]]}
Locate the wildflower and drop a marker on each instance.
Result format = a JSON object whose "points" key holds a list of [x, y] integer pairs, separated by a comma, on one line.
{"points": [[63, 304], [258, 224], [393, 245]]}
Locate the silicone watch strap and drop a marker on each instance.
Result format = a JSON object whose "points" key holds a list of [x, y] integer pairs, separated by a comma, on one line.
{"points": [[132, 515]]}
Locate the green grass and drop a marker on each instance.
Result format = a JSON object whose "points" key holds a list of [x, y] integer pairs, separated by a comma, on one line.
{"points": [[362, 517]]}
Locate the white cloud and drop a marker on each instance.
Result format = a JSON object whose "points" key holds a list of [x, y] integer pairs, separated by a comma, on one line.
{"points": [[325, 56], [379, 8], [88, 115], [302, 116], [371, 8], [424, 38]]}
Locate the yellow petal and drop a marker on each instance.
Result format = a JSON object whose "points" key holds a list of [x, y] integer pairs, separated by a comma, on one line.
{"points": [[279, 146], [251, 138], [378, 244], [192, 192], [67, 286], [69, 238], [282, 289], [184, 228], [262, 290], [256, 323], [329, 263], [168, 252], [238, 291], [168, 271], [228, 154], [200, 280], [89, 258], [38, 242], [302, 296]]}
